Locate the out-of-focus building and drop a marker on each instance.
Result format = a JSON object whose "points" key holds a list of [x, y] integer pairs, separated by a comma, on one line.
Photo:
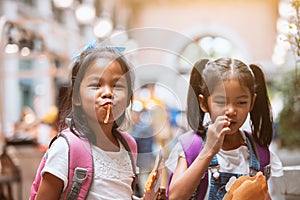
{"points": [[163, 39]]}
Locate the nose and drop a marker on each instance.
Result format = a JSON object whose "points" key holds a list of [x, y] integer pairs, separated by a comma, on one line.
{"points": [[107, 92], [230, 111]]}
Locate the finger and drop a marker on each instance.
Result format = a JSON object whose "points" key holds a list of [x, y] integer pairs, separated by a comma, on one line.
{"points": [[225, 131], [220, 124]]}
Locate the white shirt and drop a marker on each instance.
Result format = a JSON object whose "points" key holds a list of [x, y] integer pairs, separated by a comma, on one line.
{"points": [[112, 171], [233, 161]]}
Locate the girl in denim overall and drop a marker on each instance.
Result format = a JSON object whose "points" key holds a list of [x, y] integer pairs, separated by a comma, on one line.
{"points": [[228, 90]]}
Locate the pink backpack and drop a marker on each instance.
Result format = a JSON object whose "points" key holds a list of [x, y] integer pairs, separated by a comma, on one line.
{"points": [[80, 174]]}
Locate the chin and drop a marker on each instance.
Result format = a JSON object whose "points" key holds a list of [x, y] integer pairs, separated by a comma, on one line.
{"points": [[234, 128]]}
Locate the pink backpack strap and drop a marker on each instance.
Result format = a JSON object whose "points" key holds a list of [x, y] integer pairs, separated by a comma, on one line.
{"points": [[38, 178], [80, 157], [131, 143]]}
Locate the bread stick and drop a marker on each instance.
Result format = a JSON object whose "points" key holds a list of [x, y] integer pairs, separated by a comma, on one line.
{"points": [[107, 114], [150, 181]]}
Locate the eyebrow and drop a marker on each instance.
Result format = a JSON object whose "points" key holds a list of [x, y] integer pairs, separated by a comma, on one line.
{"points": [[97, 78], [243, 96], [224, 97]]}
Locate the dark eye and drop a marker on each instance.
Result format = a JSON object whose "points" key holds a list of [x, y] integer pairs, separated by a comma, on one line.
{"points": [[119, 85], [220, 102], [242, 102], [95, 85]]}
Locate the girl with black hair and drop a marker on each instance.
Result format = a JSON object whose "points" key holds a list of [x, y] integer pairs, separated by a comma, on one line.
{"points": [[95, 105], [228, 90]]}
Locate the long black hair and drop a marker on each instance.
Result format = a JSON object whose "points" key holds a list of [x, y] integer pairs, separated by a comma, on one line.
{"points": [[69, 110], [204, 77]]}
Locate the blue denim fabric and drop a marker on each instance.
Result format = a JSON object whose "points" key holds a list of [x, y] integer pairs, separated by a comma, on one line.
{"points": [[217, 185]]}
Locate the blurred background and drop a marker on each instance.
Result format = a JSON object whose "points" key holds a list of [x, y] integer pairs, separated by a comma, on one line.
{"points": [[163, 39]]}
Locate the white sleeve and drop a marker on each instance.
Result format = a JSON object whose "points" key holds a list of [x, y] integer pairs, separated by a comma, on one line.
{"points": [[275, 182], [175, 154], [276, 165], [57, 160]]}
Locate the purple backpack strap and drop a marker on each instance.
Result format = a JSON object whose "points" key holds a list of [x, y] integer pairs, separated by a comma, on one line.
{"points": [[263, 153], [80, 155], [192, 144], [264, 156]]}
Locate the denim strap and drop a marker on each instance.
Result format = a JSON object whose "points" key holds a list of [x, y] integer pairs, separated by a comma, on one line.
{"points": [[254, 163]]}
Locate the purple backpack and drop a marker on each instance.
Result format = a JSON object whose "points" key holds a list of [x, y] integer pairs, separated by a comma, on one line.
{"points": [[192, 144], [80, 173]]}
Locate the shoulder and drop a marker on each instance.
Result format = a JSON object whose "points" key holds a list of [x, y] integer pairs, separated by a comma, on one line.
{"points": [[276, 165], [59, 144], [130, 140], [174, 155], [191, 144], [190, 140], [58, 153]]}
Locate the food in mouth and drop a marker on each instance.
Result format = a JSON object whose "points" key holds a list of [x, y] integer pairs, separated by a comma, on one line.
{"points": [[107, 113]]}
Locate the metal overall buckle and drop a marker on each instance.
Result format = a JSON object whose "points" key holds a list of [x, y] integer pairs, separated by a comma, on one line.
{"points": [[215, 171], [267, 171], [252, 172]]}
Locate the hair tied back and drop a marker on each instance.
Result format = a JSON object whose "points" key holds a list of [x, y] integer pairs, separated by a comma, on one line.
{"points": [[92, 44]]}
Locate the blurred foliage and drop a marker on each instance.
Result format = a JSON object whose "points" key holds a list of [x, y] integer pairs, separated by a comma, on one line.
{"points": [[289, 117]]}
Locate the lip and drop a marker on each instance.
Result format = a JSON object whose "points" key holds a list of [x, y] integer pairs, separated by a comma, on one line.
{"points": [[103, 103], [232, 121]]}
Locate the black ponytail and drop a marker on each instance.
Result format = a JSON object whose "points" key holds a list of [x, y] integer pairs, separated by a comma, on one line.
{"points": [[261, 114], [197, 86]]}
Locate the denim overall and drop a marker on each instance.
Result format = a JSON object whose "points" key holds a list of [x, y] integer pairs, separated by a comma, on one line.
{"points": [[217, 185]]}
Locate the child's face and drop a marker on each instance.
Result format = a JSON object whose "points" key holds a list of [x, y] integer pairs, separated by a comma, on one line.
{"points": [[104, 83], [232, 100]]}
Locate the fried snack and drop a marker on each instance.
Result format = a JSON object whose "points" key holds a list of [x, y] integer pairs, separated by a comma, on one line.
{"points": [[154, 178], [107, 113], [150, 181], [248, 188]]}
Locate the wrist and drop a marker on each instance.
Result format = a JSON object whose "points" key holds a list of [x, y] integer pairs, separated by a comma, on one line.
{"points": [[205, 154]]}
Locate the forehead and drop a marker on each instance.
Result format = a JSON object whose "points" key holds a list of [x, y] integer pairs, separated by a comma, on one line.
{"points": [[104, 67], [231, 88]]}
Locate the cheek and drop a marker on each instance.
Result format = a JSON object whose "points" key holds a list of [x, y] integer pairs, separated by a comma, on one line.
{"points": [[121, 102], [243, 114], [215, 111], [88, 101]]}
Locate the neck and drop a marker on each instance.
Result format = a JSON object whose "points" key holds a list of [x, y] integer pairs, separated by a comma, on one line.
{"points": [[104, 137]]}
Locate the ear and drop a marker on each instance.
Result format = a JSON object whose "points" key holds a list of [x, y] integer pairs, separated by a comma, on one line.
{"points": [[76, 100], [253, 101], [203, 103], [129, 101]]}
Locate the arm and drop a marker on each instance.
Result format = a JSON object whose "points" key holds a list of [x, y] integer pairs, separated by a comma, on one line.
{"points": [[51, 188], [55, 172], [189, 177]]}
